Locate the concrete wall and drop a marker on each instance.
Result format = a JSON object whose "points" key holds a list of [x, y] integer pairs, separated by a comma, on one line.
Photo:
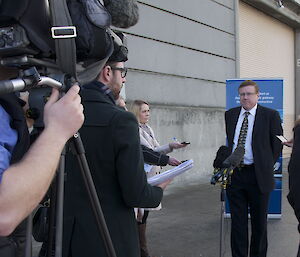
{"points": [[180, 54]]}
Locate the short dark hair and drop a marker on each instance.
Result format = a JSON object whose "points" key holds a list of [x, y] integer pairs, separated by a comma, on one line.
{"points": [[249, 83], [110, 63]]}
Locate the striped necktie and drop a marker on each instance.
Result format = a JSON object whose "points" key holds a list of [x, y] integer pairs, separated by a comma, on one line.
{"points": [[243, 132]]}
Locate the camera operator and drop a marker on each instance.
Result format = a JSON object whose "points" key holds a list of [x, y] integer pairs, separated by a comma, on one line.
{"points": [[111, 139], [26, 173]]}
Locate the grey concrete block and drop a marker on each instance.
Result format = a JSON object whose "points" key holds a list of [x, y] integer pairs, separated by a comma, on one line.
{"points": [[163, 58], [167, 27], [164, 89], [214, 13]]}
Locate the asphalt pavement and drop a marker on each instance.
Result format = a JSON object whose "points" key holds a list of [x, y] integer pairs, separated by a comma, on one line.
{"points": [[188, 225]]}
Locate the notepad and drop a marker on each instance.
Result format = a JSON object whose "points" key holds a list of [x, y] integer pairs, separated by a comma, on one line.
{"points": [[169, 174]]}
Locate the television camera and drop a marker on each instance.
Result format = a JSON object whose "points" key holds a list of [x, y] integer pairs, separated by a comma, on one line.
{"points": [[54, 43]]}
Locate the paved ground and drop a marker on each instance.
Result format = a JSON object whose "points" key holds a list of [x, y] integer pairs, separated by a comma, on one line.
{"points": [[189, 225]]}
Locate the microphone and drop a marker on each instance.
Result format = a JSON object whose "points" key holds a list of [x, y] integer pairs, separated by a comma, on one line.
{"points": [[231, 162], [124, 13], [222, 153], [235, 158]]}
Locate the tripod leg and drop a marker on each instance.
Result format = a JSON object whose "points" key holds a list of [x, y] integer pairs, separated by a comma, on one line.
{"points": [[52, 218], [54, 242], [60, 205], [94, 200], [28, 246]]}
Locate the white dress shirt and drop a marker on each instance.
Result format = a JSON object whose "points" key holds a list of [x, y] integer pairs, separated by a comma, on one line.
{"points": [[248, 157]]}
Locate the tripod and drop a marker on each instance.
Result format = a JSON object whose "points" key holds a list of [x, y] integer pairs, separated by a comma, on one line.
{"points": [[32, 79], [78, 149]]}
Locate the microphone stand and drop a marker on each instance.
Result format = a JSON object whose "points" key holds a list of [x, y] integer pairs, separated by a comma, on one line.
{"points": [[224, 182], [223, 175], [222, 199]]}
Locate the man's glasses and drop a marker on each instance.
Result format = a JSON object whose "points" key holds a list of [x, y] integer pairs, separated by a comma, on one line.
{"points": [[123, 71], [247, 94]]}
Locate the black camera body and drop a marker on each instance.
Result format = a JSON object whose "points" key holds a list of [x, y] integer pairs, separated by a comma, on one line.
{"points": [[30, 32], [14, 42]]}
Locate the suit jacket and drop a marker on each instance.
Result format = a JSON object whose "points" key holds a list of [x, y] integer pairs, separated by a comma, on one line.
{"points": [[294, 175], [265, 145], [154, 158], [111, 140]]}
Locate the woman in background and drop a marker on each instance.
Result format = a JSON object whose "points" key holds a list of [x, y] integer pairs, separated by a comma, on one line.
{"points": [[142, 112]]}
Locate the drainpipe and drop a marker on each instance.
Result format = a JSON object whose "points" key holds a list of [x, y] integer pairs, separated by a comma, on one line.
{"points": [[297, 73], [237, 38]]}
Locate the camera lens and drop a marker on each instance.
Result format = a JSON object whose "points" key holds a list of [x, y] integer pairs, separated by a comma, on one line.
{"points": [[2, 41]]}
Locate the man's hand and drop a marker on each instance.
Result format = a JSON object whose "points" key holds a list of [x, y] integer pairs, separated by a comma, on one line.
{"points": [[289, 143], [173, 162], [64, 116]]}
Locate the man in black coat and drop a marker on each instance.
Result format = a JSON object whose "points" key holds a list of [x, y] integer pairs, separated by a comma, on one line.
{"points": [[294, 176], [255, 128], [111, 139]]}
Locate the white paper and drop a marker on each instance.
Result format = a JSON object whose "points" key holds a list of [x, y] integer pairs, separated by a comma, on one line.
{"points": [[282, 138], [147, 167], [164, 176]]}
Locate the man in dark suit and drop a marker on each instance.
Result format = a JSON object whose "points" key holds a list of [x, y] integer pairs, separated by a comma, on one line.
{"points": [[111, 139], [255, 128], [294, 174]]}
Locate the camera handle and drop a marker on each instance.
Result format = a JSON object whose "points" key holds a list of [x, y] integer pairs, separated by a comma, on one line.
{"points": [[31, 79]]}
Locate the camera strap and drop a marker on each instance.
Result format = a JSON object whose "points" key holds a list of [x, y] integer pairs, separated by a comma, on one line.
{"points": [[64, 33]]}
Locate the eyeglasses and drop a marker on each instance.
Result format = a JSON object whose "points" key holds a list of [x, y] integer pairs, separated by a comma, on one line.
{"points": [[123, 71], [247, 94]]}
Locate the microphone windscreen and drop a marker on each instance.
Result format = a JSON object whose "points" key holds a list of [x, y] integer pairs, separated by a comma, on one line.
{"points": [[124, 13], [235, 158], [222, 153]]}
